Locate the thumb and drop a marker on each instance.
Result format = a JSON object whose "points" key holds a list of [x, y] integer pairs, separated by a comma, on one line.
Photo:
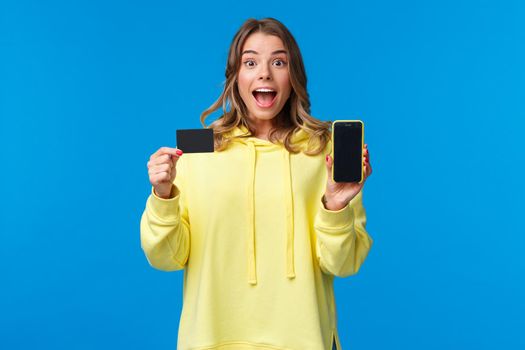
{"points": [[329, 163]]}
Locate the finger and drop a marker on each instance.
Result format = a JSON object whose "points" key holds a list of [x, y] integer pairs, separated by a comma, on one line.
{"points": [[368, 169], [160, 178], [329, 162], [167, 150], [162, 159], [157, 169]]}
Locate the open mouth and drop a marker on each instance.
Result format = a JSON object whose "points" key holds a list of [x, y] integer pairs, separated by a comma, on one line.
{"points": [[264, 97]]}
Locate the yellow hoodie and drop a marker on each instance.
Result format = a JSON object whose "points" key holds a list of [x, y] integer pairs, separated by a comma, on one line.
{"points": [[258, 248]]}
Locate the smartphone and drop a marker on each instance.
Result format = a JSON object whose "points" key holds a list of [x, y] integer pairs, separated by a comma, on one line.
{"points": [[347, 150]]}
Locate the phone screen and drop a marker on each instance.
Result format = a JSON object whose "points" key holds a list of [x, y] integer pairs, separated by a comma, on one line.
{"points": [[348, 142]]}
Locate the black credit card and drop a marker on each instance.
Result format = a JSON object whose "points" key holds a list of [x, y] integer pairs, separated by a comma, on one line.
{"points": [[195, 140]]}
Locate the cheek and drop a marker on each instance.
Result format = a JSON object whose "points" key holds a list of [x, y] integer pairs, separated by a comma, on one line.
{"points": [[286, 86], [243, 83]]}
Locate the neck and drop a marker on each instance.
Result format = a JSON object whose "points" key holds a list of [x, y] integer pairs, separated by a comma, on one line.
{"points": [[262, 135], [262, 129]]}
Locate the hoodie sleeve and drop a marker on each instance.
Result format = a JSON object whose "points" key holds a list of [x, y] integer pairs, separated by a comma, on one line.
{"points": [[342, 242], [165, 228]]}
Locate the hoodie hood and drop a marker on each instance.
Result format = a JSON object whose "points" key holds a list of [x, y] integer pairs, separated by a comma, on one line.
{"points": [[253, 146]]}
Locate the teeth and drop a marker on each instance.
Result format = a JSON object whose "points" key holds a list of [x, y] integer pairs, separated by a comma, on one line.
{"points": [[264, 90]]}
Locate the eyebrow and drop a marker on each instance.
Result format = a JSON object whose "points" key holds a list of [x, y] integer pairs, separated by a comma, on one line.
{"points": [[256, 53]]}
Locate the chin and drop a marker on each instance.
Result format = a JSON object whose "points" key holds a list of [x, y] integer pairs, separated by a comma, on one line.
{"points": [[265, 115]]}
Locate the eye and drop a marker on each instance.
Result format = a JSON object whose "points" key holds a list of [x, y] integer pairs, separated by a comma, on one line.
{"points": [[279, 63], [249, 63]]}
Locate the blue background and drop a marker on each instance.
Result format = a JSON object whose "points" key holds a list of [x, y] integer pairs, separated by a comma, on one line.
{"points": [[89, 90]]}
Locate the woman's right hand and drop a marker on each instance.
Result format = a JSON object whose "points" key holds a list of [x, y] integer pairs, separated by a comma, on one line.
{"points": [[162, 170]]}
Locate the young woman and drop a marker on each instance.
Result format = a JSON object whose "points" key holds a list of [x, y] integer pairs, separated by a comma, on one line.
{"points": [[258, 226]]}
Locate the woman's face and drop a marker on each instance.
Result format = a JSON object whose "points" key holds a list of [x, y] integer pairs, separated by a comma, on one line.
{"points": [[263, 79]]}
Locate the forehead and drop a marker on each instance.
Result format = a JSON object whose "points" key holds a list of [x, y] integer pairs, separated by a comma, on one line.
{"points": [[263, 43]]}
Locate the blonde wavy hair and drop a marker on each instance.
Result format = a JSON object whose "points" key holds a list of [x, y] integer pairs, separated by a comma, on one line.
{"points": [[295, 114]]}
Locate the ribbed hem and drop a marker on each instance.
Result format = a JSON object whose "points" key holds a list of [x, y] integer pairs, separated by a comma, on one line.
{"points": [[240, 346], [165, 209], [334, 219]]}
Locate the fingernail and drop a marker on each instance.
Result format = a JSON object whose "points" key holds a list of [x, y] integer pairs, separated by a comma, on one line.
{"points": [[327, 158], [179, 152]]}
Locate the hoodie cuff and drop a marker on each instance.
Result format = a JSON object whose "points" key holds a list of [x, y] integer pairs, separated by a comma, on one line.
{"points": [[334, 219], [165, 209]]}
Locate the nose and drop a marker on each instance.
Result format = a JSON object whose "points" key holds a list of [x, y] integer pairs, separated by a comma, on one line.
{"points": [[265, 73]]}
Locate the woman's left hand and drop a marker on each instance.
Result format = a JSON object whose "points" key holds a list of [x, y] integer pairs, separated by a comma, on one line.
{"points": [[339, 194]]}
